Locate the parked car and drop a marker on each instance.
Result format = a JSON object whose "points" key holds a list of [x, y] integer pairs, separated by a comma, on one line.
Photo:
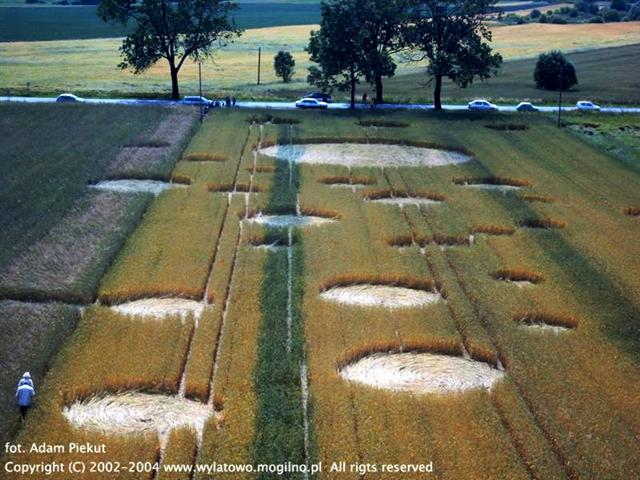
{"points": [[482, 105], [68, 98], [527, 107], [321, 96], [585, 106], [197, 101], [311, 103]]}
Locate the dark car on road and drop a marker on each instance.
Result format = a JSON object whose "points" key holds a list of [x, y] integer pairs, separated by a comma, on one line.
{"points": [[320, 96], [527, 107]]}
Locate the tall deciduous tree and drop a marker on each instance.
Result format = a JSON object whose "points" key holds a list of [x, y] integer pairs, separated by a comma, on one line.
{"points": [[453, 37], [381, 24], [335, 48], [173, 30], [357, 38]]}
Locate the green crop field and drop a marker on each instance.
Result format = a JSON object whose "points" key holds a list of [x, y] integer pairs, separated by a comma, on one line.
{"points": [[38, 23], [88, 67], [69, 146], [456, 290]]}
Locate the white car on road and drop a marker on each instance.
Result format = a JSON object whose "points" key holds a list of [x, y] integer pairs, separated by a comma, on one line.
{"points": [[197, 101], [68, 98], [311, 103], [482, 105], [585, 106]]}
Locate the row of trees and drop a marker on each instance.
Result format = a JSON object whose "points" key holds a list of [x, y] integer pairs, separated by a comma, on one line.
{"points": [[360, 39], [357, 39]]}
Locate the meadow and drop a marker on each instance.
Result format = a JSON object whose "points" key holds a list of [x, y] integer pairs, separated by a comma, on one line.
{"points": [[88, 67], [617, 135], [526, 253]]}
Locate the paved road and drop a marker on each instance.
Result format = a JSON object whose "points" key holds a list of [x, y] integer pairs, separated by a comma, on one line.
{"points": [[291, 106]]}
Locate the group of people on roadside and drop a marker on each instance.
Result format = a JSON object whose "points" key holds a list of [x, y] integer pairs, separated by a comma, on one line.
{"points": [[366, 101]]}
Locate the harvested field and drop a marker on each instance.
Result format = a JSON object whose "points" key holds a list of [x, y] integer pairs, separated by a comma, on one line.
{"points": [[154, 187], [160, 308], [155, 154], [284, 221], [68, 262], [421, 373], [136, 412], [385, 296], [359, 154]]}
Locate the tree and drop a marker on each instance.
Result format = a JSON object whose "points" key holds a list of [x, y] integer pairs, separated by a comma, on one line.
{"points": [[553, 71], [452, 36], [283, 64], [380, 23], [620, 5], [634, 13], [609, 15], [335, 48], [173, 30]]}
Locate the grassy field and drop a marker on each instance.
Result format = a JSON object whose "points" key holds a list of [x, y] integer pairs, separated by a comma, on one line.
{"points": [[618, 135], [604, 75], [39, 23], [567, 405], [63, 145], [89, 66]]}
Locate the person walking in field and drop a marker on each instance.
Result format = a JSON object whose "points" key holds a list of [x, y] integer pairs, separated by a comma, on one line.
{"points": [[25, 394], [26, 379], [364, 98]]}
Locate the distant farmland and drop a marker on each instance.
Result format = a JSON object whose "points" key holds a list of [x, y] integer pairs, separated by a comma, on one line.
{"points": [[88, 67], [24, 24]]}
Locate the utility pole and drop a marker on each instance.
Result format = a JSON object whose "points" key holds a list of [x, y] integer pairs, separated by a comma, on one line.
{"points": [[200, 89], [560, 96], [259, 59]]}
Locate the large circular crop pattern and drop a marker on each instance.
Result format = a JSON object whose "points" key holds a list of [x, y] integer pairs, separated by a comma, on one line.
{"points": [[361, 154]]}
